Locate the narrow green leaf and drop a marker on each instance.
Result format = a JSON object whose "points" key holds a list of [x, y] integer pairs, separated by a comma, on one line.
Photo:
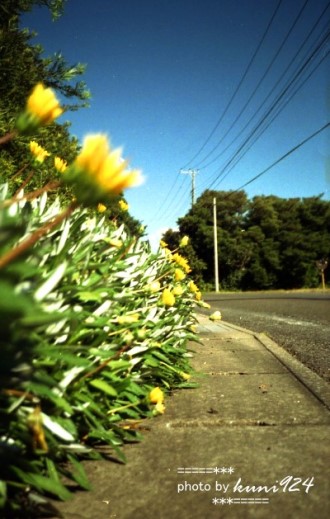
{"points": [[52, 472], [103, 386], [43, 484], [78, 474], [3, 493]]}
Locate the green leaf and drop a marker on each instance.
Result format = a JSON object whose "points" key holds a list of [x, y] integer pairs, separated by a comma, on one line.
{"points": [[3, 493], [43, 483], [52, 472], [78, 474], [103, 386], [40, 319], [43, 391], [90, 296]]}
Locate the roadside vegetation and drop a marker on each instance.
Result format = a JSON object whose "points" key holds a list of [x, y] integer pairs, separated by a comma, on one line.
{"points": [[95, 328]]}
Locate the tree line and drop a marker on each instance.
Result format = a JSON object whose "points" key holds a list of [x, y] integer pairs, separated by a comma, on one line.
{"points": [[23, 64], [264, 243]]}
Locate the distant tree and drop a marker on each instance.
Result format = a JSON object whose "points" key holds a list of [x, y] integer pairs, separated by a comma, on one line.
{"points": [[266, 243], [198, 225], [304, 238], [262, 228]]}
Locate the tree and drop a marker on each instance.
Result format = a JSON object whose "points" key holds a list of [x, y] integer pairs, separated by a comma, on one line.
{"points": [[198, 225], [262, 227], [266, 243], [22, 66]]}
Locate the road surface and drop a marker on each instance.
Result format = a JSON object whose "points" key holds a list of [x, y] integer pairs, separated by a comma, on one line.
{"points": [[298, 321]]}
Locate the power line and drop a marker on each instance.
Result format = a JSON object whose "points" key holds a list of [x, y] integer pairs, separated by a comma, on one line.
{"points": [[273, 88], [274, 117], [317, 132], [238, 86], [255, 89], [271, 109]]}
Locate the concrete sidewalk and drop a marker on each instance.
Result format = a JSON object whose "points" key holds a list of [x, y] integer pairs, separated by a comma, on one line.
{"points": [[252, 441]]}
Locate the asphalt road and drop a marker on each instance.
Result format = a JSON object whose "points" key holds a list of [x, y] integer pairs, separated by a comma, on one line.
{"points": [[298, 321]]}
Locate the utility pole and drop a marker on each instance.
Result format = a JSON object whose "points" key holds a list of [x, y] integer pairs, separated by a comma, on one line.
{"points": [[215, 235], [192, 173]]}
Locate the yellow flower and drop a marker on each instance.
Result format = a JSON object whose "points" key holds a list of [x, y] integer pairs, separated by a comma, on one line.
{"points": [[198, 295], [156, 396], [168, 298], [115, 242], [43, 104], [163, 244], [177, 290], [204, 305], [160, 408], [127, 319], [101, 208], [38, 151], [184, 241], [216, 316], [99, 173], [193, 287], [60, 164], [179, 275], [154, 286], [181, 261], [42, 108], [184, 375], [123, 206]]}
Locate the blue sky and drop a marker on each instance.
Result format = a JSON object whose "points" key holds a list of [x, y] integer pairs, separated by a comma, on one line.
{"points": [[162, 74]]}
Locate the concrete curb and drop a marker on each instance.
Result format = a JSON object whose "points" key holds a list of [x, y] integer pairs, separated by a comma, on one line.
{"points": [[313, 382]]}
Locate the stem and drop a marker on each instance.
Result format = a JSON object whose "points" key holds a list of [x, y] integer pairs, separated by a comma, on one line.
{"points": [[30, 196], [116, 409], [8, 137], [26, 181], [11, 255], [16, 392], [19, 172], [106, 362]]}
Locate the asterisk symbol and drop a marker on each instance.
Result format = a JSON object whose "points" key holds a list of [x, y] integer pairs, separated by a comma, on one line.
{"points": [[222, 501], [230, 501], [217, 470], [223, 470], [231, 470], [215, 501]]}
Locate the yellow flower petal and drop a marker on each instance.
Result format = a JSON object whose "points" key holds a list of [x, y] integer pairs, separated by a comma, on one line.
{"points": [[38, 151], [43, 104], [168, 298], [160, 408], [184, 241], [179, 275], [60, 164], [216, 316], [181, 261], [99, 172], [101, 208], [156, 396], [177, 290], [123, 205], [193, 287], [154, 286]]}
